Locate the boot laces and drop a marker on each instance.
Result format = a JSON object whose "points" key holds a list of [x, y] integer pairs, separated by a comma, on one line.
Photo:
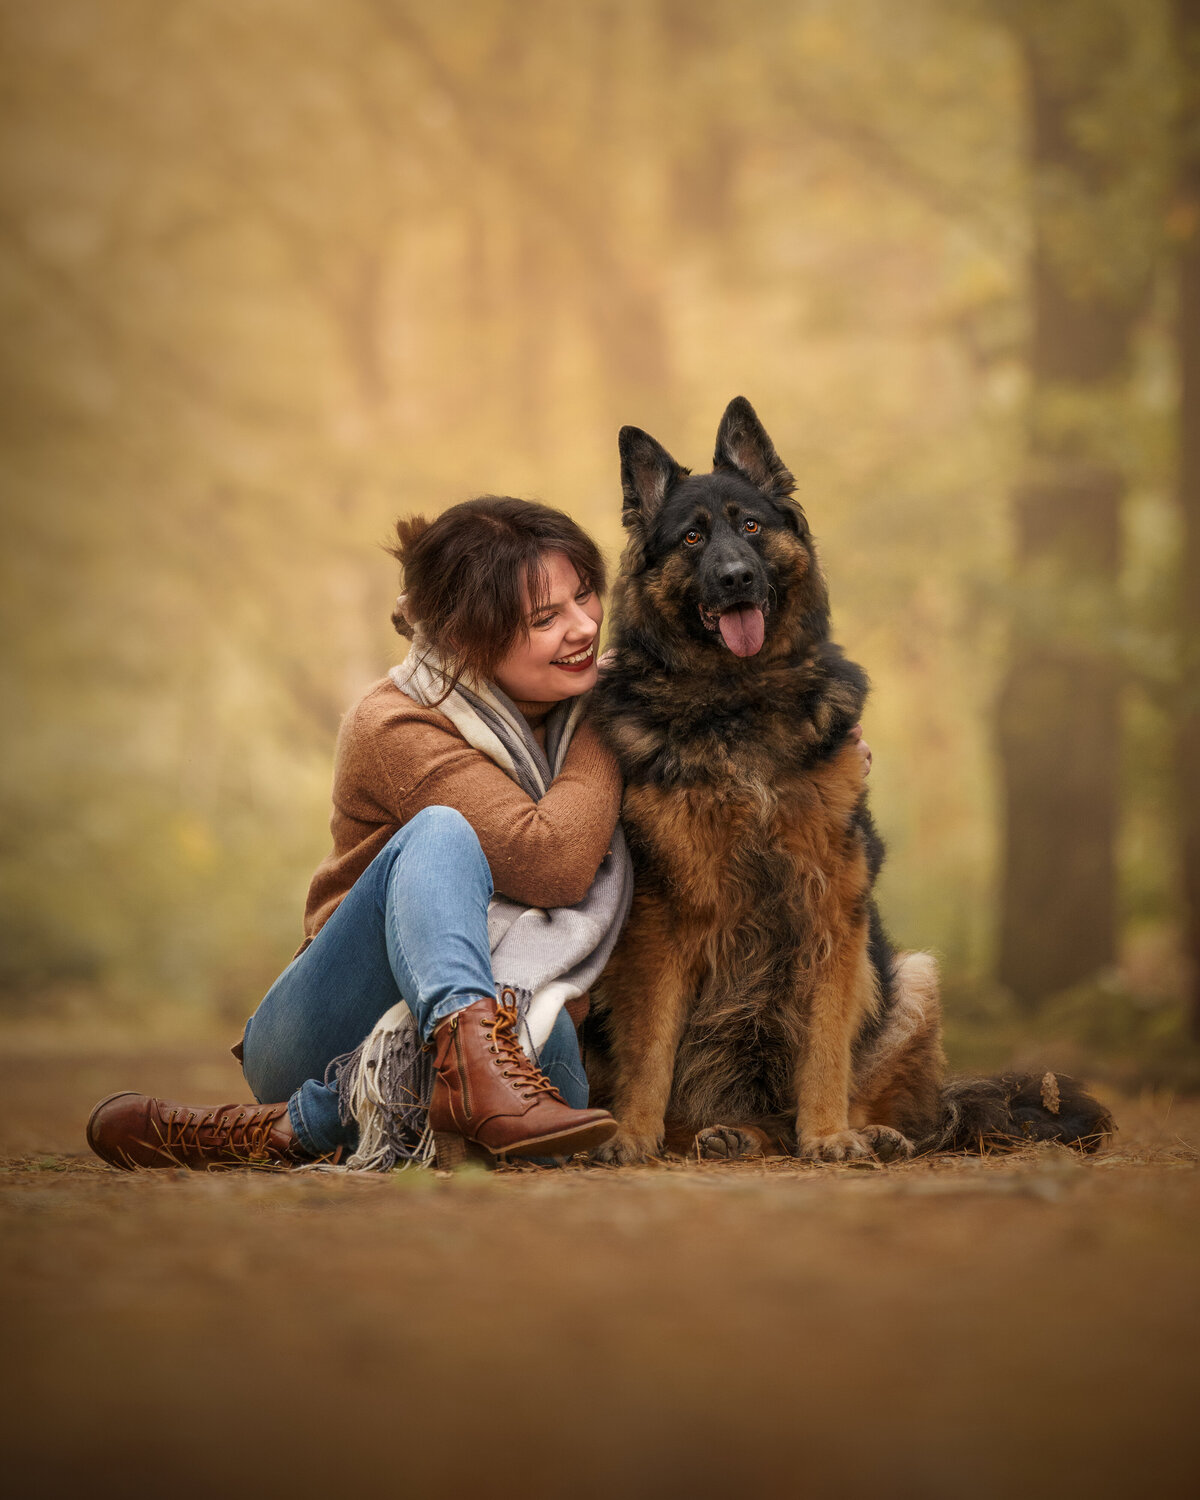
{"points": [[239, 1130], [516, 1065]]}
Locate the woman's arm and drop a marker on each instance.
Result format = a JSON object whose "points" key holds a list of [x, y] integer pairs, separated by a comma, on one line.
{"points": [[541, 853]]}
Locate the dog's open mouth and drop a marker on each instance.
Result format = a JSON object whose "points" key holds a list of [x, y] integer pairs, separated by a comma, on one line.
{"points": [[742, 626]]}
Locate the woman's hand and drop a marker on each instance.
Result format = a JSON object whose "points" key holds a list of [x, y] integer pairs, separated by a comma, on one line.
{"points": [[863, 748]]}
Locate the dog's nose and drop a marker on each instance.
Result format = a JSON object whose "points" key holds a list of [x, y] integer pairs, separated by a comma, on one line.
{"points": [[735, 578]]}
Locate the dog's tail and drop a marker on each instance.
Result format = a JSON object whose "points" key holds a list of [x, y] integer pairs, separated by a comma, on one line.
{"points": [[1017, 1109]]}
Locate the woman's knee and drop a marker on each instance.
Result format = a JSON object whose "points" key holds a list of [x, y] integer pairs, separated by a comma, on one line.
{"points": [[439, 836], [443, 825], [443, 822]]}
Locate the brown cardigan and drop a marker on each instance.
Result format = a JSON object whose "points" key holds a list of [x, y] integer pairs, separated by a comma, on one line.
{"points": [[395, 757]]}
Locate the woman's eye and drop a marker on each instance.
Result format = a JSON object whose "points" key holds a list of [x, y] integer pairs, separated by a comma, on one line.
{"points": [[583, 596], [691, 538], [749, 525], [542, 623]]}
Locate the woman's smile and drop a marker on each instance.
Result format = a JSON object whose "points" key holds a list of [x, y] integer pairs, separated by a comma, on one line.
{"points": [[579, 662]]}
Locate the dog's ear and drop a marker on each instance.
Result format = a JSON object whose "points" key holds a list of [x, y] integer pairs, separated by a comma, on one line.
{"points": [[744, 448], [647, 474]]}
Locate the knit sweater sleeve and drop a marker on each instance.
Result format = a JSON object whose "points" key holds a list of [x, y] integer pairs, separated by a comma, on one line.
{"points": [[544, 853]]}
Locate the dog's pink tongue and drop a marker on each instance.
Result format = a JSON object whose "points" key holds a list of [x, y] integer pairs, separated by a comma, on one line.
{"points": [[742, 630]]}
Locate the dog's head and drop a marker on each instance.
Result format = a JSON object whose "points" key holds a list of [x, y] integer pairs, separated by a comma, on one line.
{"points": [[724, 559]]}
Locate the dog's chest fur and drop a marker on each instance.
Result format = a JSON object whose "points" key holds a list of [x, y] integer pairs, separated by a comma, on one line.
{"points": [[737, 803], [749, 830]]}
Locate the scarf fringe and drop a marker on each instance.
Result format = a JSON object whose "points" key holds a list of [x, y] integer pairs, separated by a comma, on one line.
{"points": [[385, 1085]]}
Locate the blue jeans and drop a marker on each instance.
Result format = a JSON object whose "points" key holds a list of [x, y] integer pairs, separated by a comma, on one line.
{"points": [[414, 927]]}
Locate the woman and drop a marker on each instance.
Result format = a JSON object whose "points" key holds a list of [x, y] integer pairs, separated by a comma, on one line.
{"points": [[477, 776]]}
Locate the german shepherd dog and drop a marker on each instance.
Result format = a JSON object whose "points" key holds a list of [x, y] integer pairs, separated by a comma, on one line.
{"points": [[754, 998]]}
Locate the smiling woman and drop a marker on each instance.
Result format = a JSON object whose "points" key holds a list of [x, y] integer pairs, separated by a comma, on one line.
{"points": [[561, 636], [476, 884]]}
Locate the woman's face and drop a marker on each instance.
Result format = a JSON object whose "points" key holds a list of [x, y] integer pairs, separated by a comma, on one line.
{"points": [[557, 659]]}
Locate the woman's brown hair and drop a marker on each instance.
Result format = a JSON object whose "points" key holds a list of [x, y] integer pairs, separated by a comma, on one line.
{"points": [[463, 574]]}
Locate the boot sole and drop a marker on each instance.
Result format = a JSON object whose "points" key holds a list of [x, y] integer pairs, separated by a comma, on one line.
{"points": [[452, 1150]]}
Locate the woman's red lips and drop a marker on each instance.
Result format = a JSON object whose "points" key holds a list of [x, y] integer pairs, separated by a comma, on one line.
{"points": [[586, 660]]}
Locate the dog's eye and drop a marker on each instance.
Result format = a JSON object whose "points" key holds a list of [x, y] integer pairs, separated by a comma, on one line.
{"points": [[750, 525], [693, 537]]}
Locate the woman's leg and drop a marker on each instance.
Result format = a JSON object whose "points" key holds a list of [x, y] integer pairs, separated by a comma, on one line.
{"points": [[412, 927], [562, 1063]]}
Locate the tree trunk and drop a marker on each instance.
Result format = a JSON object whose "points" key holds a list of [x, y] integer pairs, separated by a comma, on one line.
{"points": [[1059, 710], [1059, 738], [1187, 217]]}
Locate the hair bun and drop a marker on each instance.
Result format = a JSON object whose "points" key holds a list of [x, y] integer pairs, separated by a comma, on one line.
{"points": [[401, 622]]}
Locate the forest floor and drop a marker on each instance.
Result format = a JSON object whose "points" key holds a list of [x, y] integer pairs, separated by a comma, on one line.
{"points": [[950, 1327]]}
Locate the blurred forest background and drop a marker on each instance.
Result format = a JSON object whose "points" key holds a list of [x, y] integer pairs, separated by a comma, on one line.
{"points": [[275, 271]]}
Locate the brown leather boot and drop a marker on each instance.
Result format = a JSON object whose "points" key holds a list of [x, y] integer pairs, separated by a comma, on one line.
{"points": [[490, 1098], [133, 1130]]}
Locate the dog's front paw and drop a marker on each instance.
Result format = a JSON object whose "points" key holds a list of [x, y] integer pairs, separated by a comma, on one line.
{"points": [[629, 1147], [729, 1142], [888, 1144], [842, 1145], [878, 1142]]}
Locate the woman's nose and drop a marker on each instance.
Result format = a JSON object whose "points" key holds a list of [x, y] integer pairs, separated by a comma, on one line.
{"points": [[581, 624]]}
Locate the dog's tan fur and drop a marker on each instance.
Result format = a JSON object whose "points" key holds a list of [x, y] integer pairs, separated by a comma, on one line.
{"points": [[684, 929]]}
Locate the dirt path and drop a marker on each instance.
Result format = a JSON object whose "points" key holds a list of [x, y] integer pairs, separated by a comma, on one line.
{"points": [[946, 1328]]}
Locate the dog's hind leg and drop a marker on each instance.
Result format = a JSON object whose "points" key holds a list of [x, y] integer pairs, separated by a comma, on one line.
{"points": [[647, 989]]}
